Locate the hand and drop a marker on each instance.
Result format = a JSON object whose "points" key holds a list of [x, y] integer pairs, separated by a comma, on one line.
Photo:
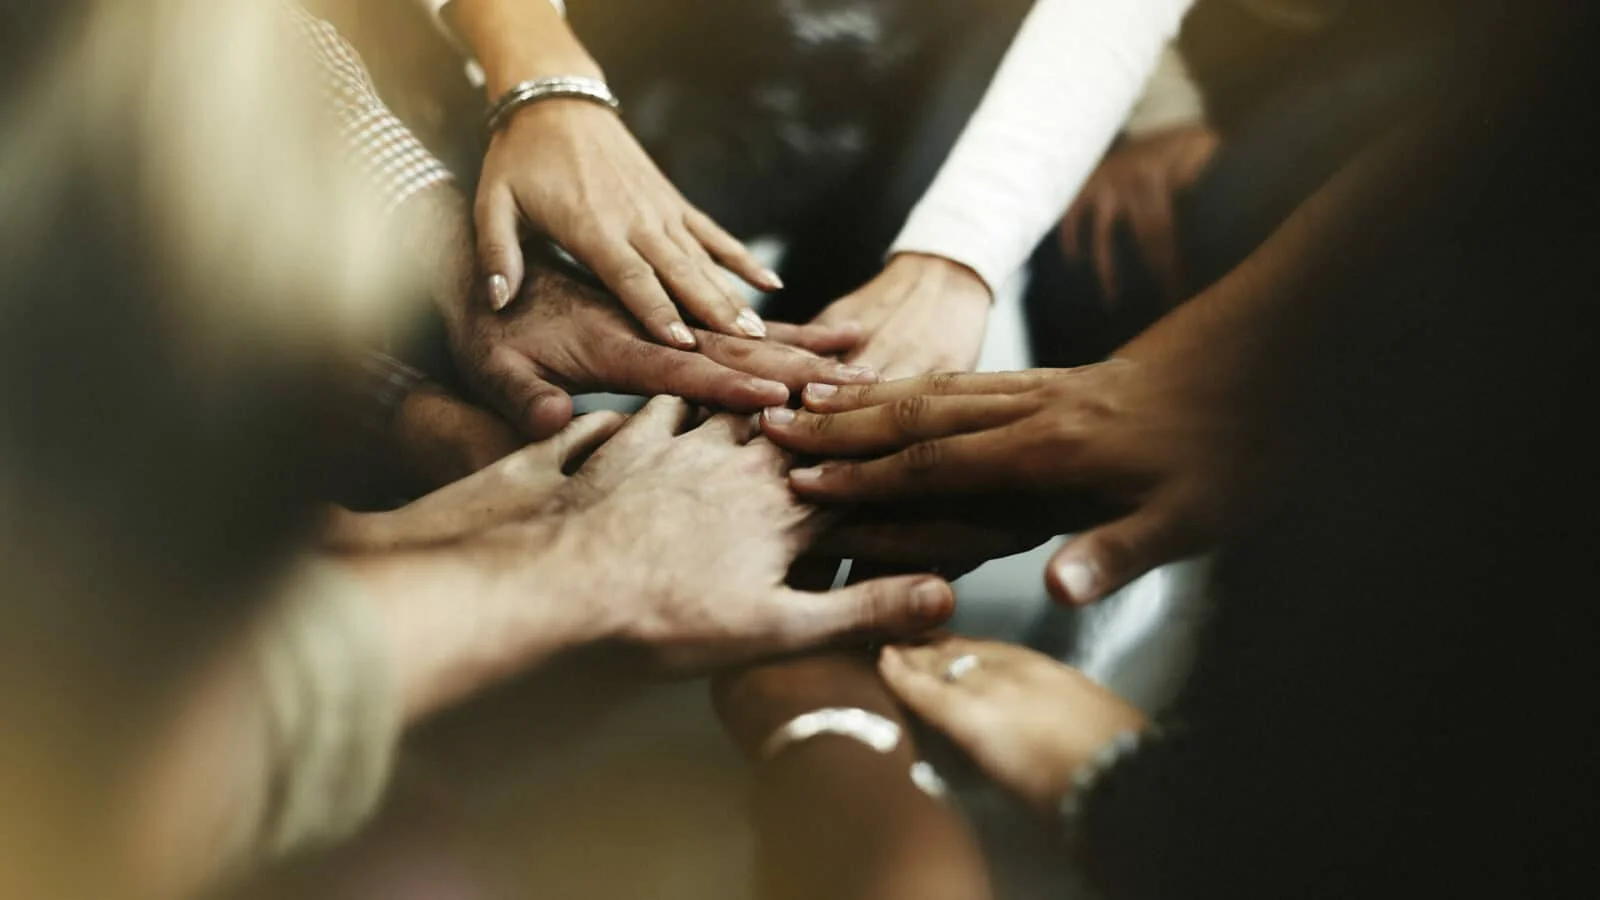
{"points": [[437, 439], [921, 314], [1137, 184], [571, 169], [1160, 451], [1025, 719], [563, 336], [517, 487], [687, 538]]}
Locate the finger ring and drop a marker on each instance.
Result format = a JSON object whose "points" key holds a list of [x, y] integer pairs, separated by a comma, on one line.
{"points": [[960, 666]]}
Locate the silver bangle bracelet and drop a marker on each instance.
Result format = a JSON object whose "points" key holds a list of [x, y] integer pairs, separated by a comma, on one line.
{"points": [[868, 728], [529, 92]]}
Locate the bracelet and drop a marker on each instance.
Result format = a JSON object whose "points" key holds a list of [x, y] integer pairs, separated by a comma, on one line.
{"points": [[529, 92], [1093, 774], [869, 728]]}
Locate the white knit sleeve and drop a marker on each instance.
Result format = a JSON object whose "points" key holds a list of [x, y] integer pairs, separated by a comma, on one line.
{"points": [[1061, 95]]}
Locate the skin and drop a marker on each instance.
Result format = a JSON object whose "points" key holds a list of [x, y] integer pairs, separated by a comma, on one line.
{"points": [[1124, 447], [1136, 186], [1178, 441], [702, 521], [571, 170], [1028, 721], [921, 314], [674, 539], [834, 819], [438, 439], [563, 336]]}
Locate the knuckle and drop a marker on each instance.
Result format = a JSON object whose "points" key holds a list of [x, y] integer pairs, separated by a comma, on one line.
{"points": [[906, 414], [633, 272], [819, 426], [943, 382], [924, 456]]}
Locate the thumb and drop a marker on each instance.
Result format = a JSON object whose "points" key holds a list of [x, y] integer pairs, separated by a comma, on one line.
{"points": [[885, 607], [1097, 562], [535, 406], [499, 246]]}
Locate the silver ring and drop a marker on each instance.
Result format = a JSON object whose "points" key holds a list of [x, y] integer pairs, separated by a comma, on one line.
{"points": [[960, 666]]}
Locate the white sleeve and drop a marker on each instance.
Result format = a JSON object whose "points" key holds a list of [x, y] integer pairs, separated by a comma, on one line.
{"points": [[1060, 97]]}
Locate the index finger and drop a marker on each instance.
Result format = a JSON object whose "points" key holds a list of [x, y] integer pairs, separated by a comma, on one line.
{"points": [[832, 398], [645, 368], [892, 426], [964, 464]]}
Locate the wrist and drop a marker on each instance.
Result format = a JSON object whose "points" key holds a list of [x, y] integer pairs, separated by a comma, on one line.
{"points": [[443, 649], [519, 41], [755, 702], [940, 276]]}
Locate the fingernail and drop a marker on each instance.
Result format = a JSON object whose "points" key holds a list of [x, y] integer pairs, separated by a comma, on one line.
{"points": [[499, 292], [776, 390], [811, 476], [857, 373], [820, 391], [928, 599], [681, 333], [770, 280], [779, 415], [751, 324], [1076, 579]]}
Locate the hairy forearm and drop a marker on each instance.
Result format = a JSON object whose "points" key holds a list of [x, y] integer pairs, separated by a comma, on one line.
{"points": [[516, 40], [455, 625], [434, 229]]}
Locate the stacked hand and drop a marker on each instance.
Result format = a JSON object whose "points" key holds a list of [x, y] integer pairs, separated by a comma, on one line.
{"points": [[1141, 450], [1028, 721], [673, 537], [563, 336], [572, 171], [921, 314], [692, 533]]}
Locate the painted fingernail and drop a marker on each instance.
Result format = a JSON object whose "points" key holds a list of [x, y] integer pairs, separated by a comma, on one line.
{"points": [[1076, 579], [820, 391], [779, 415], [499, 292], [770, 280], [857, 373], [928, 599], [751, 324], [681, 333], [807, 477]]}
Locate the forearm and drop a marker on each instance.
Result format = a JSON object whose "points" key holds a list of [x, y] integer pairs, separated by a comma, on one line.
{"points": [[835, 818], [517, 40], [1289, 313], [454, 625]]}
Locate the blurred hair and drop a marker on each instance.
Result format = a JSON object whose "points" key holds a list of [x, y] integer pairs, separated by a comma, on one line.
{"points": [[182, 263]]}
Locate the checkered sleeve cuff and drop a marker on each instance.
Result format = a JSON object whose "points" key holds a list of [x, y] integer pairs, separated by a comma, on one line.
{"points": [[383, 149]]}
